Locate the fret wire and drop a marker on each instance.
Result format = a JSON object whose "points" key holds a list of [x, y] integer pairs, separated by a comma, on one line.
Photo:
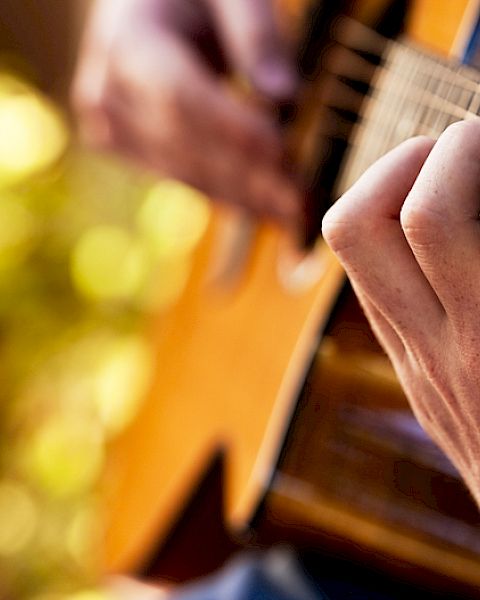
{"points": [[467, 105], [382, 83], [415, 77], [406, 125], [393, 102], [467, 77], [434, 101], [474, 104], [367, 123], [361, 152], [396, 102], [420, 108], [435, 64], [451, 98], [433, 107], [429, 94], [423, 89]]}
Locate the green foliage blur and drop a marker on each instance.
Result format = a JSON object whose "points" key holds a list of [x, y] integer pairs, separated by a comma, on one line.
{"points": [[89, 250]]}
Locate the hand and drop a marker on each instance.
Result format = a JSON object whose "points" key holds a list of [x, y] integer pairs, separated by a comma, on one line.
{"points": [[128, 588], [408, 235], [151, 83]]}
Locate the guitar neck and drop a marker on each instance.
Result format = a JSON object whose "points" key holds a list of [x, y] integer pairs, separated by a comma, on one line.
{"points": [[412, 93]]}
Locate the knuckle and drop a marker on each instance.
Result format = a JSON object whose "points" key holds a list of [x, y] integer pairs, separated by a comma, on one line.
{"points": [[93, 114], [463, 131], [340, 229], [85, 100], [90, 93], [92, 106], [333, 230], [137, 75], [461, 141], [423, 223]]}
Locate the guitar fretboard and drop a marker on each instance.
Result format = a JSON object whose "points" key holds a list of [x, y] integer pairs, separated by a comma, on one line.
{"points": [[412, 93]]}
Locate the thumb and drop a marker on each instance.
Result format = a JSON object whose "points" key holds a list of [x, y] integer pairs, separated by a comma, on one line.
{"points": [[252, 40]]}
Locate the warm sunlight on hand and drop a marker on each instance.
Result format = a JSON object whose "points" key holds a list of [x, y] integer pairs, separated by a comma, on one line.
{"points": [[408, 235], [127, 588], [152, 84]]}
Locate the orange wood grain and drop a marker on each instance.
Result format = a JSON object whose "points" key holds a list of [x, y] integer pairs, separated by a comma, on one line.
{"points": [[436, 24], [229, 364]]}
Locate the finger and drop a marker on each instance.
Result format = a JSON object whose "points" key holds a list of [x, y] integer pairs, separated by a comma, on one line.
{"points": [[219, 170], [435, 417], [384, 332], [440, 218], [127, 588], [89, 85], [170, 81], [363, 229], [190, 123], [251, 37]]}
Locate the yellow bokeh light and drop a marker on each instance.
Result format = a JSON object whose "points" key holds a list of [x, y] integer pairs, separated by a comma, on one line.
{"points": [[121, 382], [79, 595], [65, 456], [32, 135], [173, 218], [169, 280], [18, 518], [107, 263], [83, 535], [17, 228], [90, 595]]}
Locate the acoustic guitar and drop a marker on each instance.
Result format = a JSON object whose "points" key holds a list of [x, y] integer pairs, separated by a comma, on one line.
{"points": [[252, 343]]}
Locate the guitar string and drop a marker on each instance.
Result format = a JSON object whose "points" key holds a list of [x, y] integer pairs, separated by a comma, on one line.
{"points": [[420, 111], [394, 101], [436, 94], [376, 115], [376, 124], [444, 98], [430, 99], [371, 136]]}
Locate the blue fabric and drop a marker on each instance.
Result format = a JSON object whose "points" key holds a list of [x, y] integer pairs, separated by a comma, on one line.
{"points": [[275, 575]]}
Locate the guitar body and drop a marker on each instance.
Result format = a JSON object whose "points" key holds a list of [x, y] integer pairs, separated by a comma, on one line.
{"points": [[232, 357], [226, 384]]}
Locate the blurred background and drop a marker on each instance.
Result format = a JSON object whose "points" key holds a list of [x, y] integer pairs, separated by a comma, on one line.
{"points": [[89, 250]]}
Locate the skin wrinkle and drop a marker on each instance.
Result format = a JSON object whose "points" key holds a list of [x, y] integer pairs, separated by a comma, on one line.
{"points": [[463, 305], [423, 222], [421, 292], [396, 326], [436, 422]]}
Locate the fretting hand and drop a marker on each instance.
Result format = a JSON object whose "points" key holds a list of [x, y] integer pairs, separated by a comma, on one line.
{"points": [[408, 235]]}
